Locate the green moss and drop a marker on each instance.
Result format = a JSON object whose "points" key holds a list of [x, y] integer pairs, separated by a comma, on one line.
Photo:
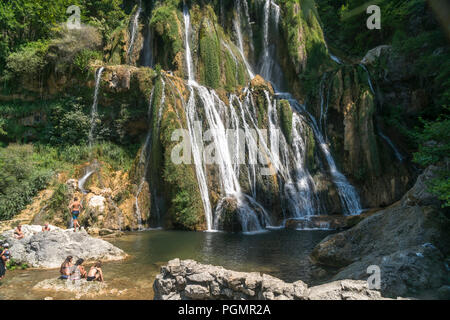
{"points": [[166, 24], [285, 114], [210, 56]]}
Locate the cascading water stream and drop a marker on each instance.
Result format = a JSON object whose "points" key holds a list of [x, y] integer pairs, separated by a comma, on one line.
{"points": [[213, 108], [397, 153], [134, 29], [347, 193], [237, 27], [94, 111], [144, 159]]}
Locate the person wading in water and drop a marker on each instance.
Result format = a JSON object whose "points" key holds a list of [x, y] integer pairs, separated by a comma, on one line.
{"points": [[75, 208]]}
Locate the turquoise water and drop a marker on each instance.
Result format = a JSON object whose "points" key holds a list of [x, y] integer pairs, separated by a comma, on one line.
{"points": [[281, 253]]}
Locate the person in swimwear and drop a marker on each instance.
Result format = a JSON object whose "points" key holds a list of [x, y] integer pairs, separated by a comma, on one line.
{"points": [[18, 233], [77, 271], [95, 273], [75, 208], [4, 258], [45, 227], [66, 268]]}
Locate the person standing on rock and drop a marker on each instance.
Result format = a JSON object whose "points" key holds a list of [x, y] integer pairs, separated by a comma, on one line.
{"points": [[75, 208], [45, 227]]}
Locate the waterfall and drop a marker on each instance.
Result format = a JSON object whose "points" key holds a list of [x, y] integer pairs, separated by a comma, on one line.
{"points": [[269, 67], [187, 25], [134, 29], [148, 48], [235, 60], [144, 159], [335, 59], [397, 153], [369, 80], [83, 180], [266, 60], [214, 108], [237, 27], [94, 112], [347, 193]]}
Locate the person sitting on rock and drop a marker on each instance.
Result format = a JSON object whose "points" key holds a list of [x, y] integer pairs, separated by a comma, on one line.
{"points": [[4, 258], [95, 273], [77, 271], [45, 227], [66, 268], [75, 208], [18, 233]]}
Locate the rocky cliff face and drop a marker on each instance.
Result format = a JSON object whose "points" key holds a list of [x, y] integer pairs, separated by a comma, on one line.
{"points": [[141, 104], [408, 241]]}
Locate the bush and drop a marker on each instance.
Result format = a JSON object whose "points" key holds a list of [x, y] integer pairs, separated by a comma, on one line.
{"points": [[22, 175], [28, 61]]}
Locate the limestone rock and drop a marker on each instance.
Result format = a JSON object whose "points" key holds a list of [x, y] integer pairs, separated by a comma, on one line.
{"points": [[49, 249], [187, 280]]}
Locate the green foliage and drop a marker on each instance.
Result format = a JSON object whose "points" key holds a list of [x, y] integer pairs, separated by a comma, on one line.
{"points": [[70, 125], [165, 22], [22, 174], [13, 265], [28, 61], [210, 55], [434, 148], [57, 204]]}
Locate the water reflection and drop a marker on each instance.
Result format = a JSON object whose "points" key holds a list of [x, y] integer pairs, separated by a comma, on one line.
{"points": [[281, 253]]}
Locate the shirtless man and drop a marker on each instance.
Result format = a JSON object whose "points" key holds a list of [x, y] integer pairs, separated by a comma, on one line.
{"points": [[75, 208], [18, 233]]}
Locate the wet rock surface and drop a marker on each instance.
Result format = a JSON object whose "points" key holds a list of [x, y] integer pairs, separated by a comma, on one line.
{"points": [[190, 280]]}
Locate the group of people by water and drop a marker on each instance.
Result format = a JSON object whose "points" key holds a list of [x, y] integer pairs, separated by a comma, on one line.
{"points": [[5, 255], [71, 271], [68, 269]]}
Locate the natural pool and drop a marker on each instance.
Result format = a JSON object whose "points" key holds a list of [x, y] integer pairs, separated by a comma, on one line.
{"points": [[281, 253]]}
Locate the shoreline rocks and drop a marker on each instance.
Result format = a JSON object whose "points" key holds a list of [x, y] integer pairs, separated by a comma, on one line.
{"points": [[408, 241], [49, 249], [80, 287], [190, 280]]}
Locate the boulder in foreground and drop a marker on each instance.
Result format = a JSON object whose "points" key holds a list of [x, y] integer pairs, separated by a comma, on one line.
{"points": [[190, 280], [49, 249]]}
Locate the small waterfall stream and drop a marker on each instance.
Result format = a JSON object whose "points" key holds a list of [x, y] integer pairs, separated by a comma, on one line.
{"points": [[134, 29], [397, 153], [94, 111]]}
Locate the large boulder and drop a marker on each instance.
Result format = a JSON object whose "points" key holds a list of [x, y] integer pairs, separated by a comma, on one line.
{"points": [[190, 280], [408, 241], [49, 249]]}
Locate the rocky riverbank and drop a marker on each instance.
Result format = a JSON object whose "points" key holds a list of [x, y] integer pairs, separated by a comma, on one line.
{"points": [[409, 241], [188, 279], [49, 249]]}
